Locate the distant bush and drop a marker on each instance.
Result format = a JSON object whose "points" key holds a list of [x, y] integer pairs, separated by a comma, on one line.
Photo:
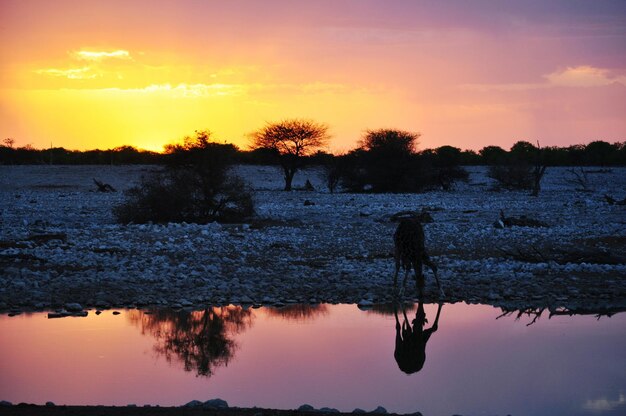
{"points": [[521, 169], [513, 176], [443, 166], [196, 186], [386, 161]]}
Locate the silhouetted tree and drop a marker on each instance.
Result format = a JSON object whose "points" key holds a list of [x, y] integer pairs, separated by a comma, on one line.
{"points": [[522, 168], [386, 162], [447, 161], [493, 155], [9, 142], [334, 170], [196, 186], [600, 153], [292, 140]]}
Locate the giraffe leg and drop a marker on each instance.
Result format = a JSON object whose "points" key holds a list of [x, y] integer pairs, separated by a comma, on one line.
{"points": [[433, 267], [419, 277], [395, 276], [406, 276]]}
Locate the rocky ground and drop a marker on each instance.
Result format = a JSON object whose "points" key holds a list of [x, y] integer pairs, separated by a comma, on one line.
{"points": [[59, 244]]}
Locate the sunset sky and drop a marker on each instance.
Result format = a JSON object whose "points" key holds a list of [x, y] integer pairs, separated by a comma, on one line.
{"points": [[98, 74]]}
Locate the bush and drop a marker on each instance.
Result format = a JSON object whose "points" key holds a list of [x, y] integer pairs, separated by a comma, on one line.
{"points": [[386, 161], [196, 186], [514, 176], [523, 168], [443, 167]]}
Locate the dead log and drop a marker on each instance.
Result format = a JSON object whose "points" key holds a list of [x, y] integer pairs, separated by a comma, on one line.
{"points": [[521, 221], [562, 256], [423, 216], [612, 201], [44, 238], [103, 187]]}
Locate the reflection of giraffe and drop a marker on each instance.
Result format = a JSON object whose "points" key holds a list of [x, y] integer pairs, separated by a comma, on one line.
{"points": [[410, 352], [410, 252]]}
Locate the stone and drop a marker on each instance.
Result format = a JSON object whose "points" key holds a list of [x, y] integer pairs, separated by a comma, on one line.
{"points": [[116, 312], [215, 404], [193, 403], [4, 403], [246, 299], [58, 314], [358, 411], [380, 410], [329, 410], [50, 404], [306, 408], [73, 307]]}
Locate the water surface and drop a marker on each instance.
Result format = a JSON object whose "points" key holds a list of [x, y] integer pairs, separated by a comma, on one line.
{"points": [[465, 362]]}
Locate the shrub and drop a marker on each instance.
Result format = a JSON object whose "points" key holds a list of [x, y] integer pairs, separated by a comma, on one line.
{"points": [[513, 176], [195, 186], [523, 168], [386, 161]]}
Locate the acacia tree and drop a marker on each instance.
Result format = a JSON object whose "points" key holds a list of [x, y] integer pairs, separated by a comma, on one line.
{"points": [[291, 140], [196, 186], [385, 161]]}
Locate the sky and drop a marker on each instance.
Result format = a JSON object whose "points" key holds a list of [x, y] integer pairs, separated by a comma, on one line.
{"points": [[89, 74]]}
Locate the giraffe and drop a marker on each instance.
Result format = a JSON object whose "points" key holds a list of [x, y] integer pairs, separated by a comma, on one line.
{"points": [[410, 251]]}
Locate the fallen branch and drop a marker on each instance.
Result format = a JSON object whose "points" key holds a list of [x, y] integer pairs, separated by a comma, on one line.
{"points": [[521, 221], [423, 216], [103, 187], [562, 256], [612, 201], [44, 238]]}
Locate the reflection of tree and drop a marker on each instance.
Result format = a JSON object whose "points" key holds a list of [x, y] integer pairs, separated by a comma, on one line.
{"points": [[201, 340], [298, 312], [389, 309], [535, 313]]}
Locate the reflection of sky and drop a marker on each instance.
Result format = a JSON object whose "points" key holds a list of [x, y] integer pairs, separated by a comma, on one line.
{"points": [[340, 358]]}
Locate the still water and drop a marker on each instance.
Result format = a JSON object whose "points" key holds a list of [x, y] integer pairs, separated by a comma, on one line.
{"points": [[462, 360]]}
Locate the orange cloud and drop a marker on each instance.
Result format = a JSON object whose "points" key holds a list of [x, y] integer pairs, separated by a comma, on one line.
{"points": [[98, 55], [583, 76], [72, 73]]}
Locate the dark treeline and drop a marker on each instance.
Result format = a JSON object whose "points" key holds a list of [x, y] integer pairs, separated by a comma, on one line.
{"points": [[124, 155], [597, 153]]}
